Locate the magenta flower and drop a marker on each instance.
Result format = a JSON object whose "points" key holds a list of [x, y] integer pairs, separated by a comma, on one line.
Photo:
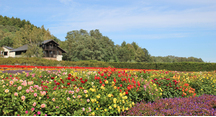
{"points": [[26, 112], [32, 109], [38, 112]]}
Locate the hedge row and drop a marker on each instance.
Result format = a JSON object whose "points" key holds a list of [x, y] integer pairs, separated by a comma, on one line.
{"points": [[45, 62], [180, 66]]}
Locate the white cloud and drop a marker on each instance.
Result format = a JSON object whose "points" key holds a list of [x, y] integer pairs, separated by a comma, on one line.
{"points": [[135, 16]]}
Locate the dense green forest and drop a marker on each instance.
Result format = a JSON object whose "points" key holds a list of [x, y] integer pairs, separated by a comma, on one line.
{"points": [[79, 44]]}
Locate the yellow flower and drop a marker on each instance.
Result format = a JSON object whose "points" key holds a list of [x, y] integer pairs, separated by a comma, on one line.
{"points": [[114, 105], [115, 87], [86, 95], [93, 113], [120, 94], [106, 82], [114, 100], [98, 96], [96, 108], [123, 101], [119, 110], [133, 103], [127, 108], [105, 110], [109, 95], [110, 107], [102, 87]]}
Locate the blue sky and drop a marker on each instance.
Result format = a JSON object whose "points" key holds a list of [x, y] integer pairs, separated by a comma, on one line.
{"points": [[181, 28]]}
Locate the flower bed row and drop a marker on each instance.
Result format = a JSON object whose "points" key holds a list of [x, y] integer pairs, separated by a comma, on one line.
{"points": [[104, 91]]}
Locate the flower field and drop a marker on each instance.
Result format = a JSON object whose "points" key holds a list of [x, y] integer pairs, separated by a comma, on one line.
{"points": [[90, 91]]}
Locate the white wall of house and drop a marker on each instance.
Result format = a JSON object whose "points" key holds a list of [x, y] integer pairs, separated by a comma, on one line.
{"points": [[8, 52], [59, 58], [12, 54]]}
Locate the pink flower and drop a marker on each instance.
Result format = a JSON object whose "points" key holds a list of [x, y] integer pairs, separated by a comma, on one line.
{"points": [[88, 100], [32, 109], [34, 114], [23, 97], [34, 104], [16, 94], [27, 74], [43, 105], [27, 90], [38, 112], [35, 94], [26, 112], [77, 90], [11, 82], [83, 109], [57, 106], [19, 88], [36, 86], [45, 115], [33, 75], [40, 88]]}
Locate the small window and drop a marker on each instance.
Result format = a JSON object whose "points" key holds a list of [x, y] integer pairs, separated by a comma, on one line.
{"points": [[5, 53]]}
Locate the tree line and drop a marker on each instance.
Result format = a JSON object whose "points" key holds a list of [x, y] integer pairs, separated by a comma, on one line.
{"points": [[79, 44]]}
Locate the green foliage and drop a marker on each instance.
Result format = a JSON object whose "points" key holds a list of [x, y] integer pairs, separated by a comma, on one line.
{"points": [[44, 62], [180, 66]]}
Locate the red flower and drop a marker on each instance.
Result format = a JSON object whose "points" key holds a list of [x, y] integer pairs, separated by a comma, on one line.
{"points": [[114, 80], [86, 80], [155, 79], [103, 85], [186, 84], [182, 95], [68, 83], [80, 78], [118, 87], [69, 75], [109, 75], [57, 83], [138, 83], [120, 90], [105, 77], [126, 92], [167, 79], [68, 78], [100, 82], [83, 82], [119, 75], [52, 77], [102, 74]]}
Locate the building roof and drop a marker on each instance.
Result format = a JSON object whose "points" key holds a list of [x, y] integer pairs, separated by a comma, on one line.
{"points": [[46, 41], [25, 47], [10, 48], [22, 48]]}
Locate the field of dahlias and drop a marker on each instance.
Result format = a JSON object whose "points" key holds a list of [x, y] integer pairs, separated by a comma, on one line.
{"points": [[91, 91]]}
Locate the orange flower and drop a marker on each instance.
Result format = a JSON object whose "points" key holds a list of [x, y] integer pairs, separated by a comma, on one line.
{"points": [[186, 89]]}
